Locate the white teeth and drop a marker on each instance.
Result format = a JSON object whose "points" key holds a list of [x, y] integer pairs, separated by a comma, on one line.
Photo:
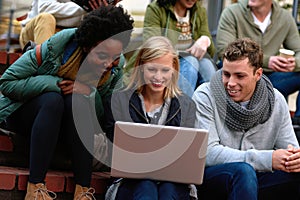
{"points": [[232, 91], [157, 83]]}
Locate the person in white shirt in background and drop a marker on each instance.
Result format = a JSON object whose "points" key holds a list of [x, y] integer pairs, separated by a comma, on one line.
{"points": [[46, 17]]}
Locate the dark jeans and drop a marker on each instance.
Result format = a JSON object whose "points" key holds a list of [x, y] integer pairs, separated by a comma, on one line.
{"points": [[44, 118], [287, 83], [239, 181], [152, 190]]}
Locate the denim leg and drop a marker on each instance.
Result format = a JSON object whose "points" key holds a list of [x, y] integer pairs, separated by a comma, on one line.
{"points": [[41, 119], [232, 181], [287, 83], [78, 129], [188, 74], [125, 190], [278, 185], [173, 191], [297, 112], [206, 70], [145, 190]]}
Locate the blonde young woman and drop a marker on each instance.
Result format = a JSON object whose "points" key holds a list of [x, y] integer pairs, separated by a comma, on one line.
{"points": [[152, 96]]}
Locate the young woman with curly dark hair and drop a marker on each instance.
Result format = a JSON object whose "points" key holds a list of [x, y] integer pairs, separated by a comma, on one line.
{"points": [[64, 94]]}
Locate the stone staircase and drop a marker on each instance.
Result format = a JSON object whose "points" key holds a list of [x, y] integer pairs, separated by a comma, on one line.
{"points": [[14, 171]]}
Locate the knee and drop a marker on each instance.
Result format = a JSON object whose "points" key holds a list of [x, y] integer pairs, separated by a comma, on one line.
{"points": [[45, 21], [53, 101], [46, 18], [167, 186], [208, 63], [244, 168], [146, 190], [189, 61], [246, 173], [168, 190], [189, 67], [77, 101], [147, 185]]}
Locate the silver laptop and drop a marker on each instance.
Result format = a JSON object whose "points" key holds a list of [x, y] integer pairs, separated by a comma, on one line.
{"points": [[165, 153]]}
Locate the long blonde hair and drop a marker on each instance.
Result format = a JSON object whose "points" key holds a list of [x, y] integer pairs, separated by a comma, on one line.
{"points": [[153, 48]]}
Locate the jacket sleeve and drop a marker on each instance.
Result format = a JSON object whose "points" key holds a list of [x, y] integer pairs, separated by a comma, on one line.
{"points": [[102, 98], [61, 10], [286, 133], [152, 22], [226, 32], [292, 40], [21, 82], [112, 113], [261, 160], [190, 113], [204, 30]]}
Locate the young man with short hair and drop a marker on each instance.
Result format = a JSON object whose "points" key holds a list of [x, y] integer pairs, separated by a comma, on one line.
{"points": [[252, 148]]}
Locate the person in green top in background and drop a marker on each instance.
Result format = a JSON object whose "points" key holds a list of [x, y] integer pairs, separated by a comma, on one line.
{"points": [[64, 94], [184, 22]]}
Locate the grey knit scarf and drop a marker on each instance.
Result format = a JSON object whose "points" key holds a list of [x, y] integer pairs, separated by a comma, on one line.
{"points": [[237, 117]]}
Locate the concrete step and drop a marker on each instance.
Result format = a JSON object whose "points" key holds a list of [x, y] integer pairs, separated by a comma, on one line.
{"points": [[14, 171]]}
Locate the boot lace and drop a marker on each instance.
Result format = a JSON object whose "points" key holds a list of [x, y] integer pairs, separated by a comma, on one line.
{"points": [[44, 193], [89, 194]]}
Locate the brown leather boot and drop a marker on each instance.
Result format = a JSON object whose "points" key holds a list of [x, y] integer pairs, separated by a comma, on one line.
{"points": [[84, 193], [38, 192]]}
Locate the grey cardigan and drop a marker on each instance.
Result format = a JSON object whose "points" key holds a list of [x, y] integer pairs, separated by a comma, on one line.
{"points": [[254, 146]]}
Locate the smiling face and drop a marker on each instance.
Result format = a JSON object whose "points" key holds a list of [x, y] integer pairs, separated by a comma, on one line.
{"points": [[187, 4], [257, 4], [239, 79], [104, 56], [157, 74]]}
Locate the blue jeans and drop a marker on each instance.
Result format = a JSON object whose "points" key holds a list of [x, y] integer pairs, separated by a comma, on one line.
{"points": [[286, 83], [151, 190], [239, 180], [193, 72]]}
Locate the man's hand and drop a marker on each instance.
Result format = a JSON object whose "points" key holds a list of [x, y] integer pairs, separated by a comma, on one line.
{"points": [[69, 87], [280, 64], [279, 158], [292, 163]]}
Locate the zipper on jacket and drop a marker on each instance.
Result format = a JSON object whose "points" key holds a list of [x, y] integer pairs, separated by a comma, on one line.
{"points": [[143, 116], [242, 139], [172, 116]]}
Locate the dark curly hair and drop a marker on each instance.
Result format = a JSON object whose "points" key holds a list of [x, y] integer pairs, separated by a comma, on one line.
{"points": [[103, 23]]}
